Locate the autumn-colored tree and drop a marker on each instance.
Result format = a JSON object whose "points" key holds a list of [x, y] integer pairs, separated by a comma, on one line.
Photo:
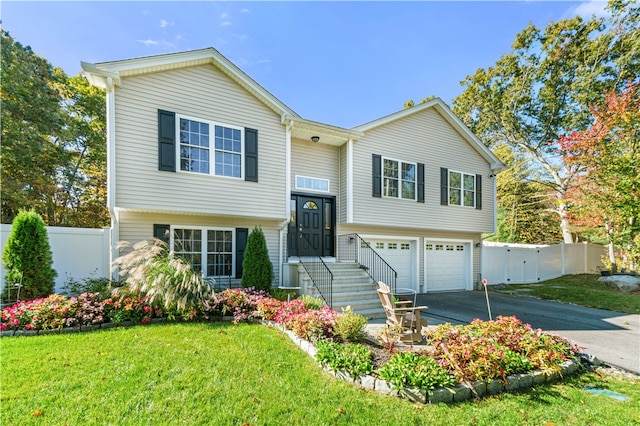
{"points": [[607, 154]]}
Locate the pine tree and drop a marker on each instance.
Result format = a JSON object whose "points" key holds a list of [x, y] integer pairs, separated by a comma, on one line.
{"points": [[257, 267], [28, 259]]}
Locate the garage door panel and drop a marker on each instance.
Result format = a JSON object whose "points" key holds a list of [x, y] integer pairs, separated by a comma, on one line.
{"points": [[446, 265], [400, 255]]}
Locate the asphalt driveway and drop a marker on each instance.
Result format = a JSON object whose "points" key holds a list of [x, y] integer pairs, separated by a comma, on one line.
{"points": [[612, 337]]}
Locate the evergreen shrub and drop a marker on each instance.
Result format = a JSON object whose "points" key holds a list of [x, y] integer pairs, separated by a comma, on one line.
{"points": [[28, 259]]}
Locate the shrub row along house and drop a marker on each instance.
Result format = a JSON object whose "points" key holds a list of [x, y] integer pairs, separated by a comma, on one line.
{"points": [[199, 154]]}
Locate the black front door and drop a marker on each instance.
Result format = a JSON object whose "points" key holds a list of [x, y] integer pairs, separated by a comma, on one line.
{"points": [[311, 226]]}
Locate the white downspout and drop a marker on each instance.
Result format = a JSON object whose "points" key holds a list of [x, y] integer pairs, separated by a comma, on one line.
{"points": [[111, 173], [287, 197], [350, 181]]}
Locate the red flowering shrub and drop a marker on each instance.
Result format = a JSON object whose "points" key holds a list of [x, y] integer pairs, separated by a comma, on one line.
{"points": [[131, 307], [314, 324], [289, 310], [486, 350], [269, 308], [242, 303], [89, 309]]}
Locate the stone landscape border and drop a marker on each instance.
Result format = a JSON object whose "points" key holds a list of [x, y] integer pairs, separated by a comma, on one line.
{"points": [[458, 393]]}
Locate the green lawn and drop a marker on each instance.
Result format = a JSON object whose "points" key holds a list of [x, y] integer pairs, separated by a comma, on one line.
{"points": [[583, 290], [221, 374]]}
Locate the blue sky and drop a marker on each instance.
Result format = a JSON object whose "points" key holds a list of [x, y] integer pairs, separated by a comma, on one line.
{"points": [[341, 63]]}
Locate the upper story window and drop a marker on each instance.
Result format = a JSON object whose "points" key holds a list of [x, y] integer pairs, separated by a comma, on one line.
{"points": [[313, 184], [399, 179], [197, 154], [462, 189], [186, 144]]}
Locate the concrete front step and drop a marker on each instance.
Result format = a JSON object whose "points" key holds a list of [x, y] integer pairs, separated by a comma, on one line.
{"points": [[352, 286]]}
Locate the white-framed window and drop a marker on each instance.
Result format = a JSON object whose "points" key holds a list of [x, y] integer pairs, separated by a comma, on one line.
{"points": [[210, 148], [312, 184], [462, 189], [209, 250], [398, 179]]}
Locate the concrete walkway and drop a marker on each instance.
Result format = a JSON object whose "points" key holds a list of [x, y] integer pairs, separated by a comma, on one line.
{"points": [[612, 337]]}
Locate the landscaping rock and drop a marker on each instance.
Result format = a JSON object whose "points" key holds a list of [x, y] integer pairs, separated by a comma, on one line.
{"points": [[538, 377], [568, 368], [414, 395], [461, 393], [384, 387], [70, 330], [624, 283], [494, 387], [444, 395], [54, 331], [480, 388], [367, 382], [108, 325]]}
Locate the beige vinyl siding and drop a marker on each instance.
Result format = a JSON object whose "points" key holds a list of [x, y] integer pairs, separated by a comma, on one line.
{"points": [[422, 236], [341, 211], [315, 161], [424, 137], [200, 93], [136, 227]]}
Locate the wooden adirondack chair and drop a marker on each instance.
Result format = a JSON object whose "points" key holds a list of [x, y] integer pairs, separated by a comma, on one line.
{"points": [[402, 314]]}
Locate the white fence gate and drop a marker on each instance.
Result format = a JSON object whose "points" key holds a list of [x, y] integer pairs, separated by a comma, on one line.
{"points": [[523, 264], [78, 253]]}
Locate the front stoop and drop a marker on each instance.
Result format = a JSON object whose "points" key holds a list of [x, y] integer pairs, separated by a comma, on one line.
{"points": [[352, 286]]}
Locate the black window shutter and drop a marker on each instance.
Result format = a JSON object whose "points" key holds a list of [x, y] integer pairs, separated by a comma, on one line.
{"points": [[166, 141], [251, 155], [444, 186], [420, 183], [241, 244], [162, 232], [377, 175], [479, 192]]}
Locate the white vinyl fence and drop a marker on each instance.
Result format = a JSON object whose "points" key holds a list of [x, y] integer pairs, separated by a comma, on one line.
{"points": [[504, 263], [78, 253]]}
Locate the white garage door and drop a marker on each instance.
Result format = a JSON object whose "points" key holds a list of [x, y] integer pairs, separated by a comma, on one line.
{"points": [[400, 255], [447, 265]]}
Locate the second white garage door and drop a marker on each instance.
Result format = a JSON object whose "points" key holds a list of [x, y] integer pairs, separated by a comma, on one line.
{"points": [[400, 255], [447, 265]]}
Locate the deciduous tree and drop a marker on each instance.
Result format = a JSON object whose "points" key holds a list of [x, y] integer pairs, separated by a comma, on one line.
{"points": [[544, 88], [608, 156], [53, 141]]}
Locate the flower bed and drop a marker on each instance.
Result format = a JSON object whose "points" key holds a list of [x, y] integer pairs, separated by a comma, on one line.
{"points": [[485, 356]]}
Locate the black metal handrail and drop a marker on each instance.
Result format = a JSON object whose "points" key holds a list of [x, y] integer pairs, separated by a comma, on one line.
{"points": [[320, 274], [353, 248]]}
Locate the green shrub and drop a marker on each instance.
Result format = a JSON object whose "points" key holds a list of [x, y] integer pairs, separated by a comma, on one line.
{"points": [[353, 358], [28, 259], [151, 269], [349, 326], [280, 294], [410, 370], [313, 303], [257, 269], [88, 285]]}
